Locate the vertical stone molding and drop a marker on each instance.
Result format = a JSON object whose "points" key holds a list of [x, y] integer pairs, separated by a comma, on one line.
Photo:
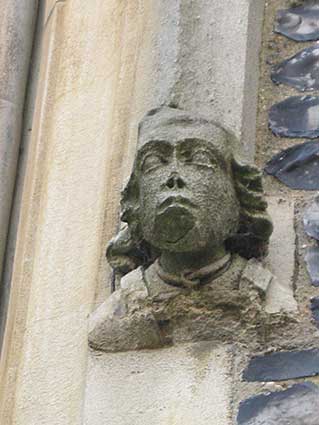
{"points": [[17, 22], [207, 56]]}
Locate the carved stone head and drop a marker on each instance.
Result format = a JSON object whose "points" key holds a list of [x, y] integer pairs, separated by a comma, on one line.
{"points": [[187, 193]]}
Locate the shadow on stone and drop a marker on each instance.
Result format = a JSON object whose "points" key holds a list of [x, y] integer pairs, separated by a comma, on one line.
{"points": [[297, 167], [282, 366], [301, 71], [295, 406], [299, 23]]}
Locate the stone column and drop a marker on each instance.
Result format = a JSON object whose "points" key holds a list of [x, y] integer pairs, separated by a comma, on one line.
{"points": [[17, 21]]}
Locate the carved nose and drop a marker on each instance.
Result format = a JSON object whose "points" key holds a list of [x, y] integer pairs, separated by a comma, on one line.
{"points": [[175, 182]]}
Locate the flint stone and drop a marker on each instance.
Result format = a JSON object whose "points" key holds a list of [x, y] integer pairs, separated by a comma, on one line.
{"points": [[296, 116], [299, 23], [300, 71], [311, 220], [312, 261], [282, 366], [297, 405], [297, 167], [314, 306]]}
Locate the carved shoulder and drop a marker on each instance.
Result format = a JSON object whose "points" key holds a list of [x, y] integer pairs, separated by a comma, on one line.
{"points": [[123, 322]]}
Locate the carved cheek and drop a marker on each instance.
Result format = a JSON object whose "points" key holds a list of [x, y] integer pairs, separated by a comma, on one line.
{"points": [[200, 177], [149, 188]]}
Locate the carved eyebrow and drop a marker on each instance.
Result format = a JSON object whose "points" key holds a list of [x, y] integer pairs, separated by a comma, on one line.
{"points": [[157, 145], [196, 144]]}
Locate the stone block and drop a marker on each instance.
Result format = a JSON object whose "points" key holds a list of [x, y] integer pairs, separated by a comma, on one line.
{"points": [[189, 384], [281, 258]]}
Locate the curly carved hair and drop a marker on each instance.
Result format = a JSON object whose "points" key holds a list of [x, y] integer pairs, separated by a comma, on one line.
{"points": [[127, 250]]}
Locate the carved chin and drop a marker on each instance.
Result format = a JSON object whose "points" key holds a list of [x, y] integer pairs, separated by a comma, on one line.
{"points": [[173, 224]]}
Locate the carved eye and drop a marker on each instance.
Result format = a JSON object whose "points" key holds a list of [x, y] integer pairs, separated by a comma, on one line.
{"points": [[199, 157], [202, 158], [152, 162]]}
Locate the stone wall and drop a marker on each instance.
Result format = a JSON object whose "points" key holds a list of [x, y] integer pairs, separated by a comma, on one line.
{"points": [[102, 65]]}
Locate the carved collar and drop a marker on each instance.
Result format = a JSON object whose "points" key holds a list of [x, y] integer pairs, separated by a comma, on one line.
{"points": [[194, 279]]}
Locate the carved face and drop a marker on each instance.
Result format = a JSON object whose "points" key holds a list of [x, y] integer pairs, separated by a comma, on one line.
{"points": [[187, 199]]}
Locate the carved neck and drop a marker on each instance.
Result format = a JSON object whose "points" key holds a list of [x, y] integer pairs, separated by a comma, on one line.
{"points": [[178, 263]]}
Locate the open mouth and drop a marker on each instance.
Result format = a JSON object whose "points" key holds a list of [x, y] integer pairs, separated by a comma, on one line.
{"points": [[176, 201]]}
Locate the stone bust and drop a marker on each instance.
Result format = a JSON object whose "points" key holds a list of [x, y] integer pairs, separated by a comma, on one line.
{"points": [[196, 219]]}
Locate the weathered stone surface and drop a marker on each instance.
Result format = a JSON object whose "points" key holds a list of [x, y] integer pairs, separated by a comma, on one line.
{"points": [[112, 328], [228, 309], [104, 64], [77, 151], [281, 257], [296, 116], [189, 384], [195, 73], [301, 71], [283, 365], [257, 276], [299, 23], [297, 166], [56, 368], [17, 22], [311, 219], [295, 406], [190, 201]]}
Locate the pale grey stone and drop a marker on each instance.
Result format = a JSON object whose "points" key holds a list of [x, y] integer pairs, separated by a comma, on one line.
{"points": [[257, 276], [281, 257], [189, 384], [17, 23], [192, 71]]}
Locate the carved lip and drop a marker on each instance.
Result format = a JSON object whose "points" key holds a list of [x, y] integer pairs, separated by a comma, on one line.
{"points": [[176, 200]]}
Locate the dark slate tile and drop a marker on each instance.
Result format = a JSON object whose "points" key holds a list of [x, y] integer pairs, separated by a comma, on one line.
{"points": [[312, 261], [311, 220], [282, 366], [299, 23], [297, 167], [296, 116], [314, 305], [298, 405], [301, 71]]}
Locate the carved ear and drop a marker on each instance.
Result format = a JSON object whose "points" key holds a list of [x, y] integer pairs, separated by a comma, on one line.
{"points": [[119, 252], [255, 225]]}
